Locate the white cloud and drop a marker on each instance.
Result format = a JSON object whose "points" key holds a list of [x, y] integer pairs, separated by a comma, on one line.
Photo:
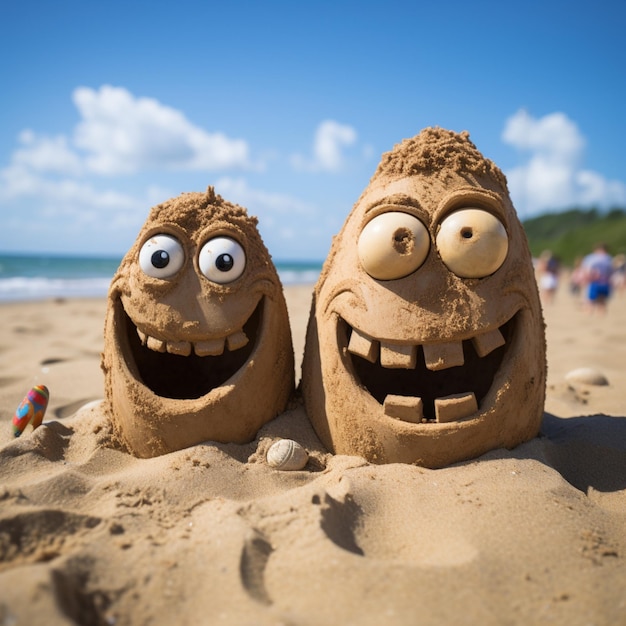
{"points": [[330, 137], [118, 134], [330, 140], [63, 197], [554, 135], [46, 154], [122, 134], [61, 215], [54, 184], [72, 191], [552, 176]]}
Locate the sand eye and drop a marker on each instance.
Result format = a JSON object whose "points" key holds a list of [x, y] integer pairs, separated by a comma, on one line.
{"points": [[222, 260], [161, 256], [472, 243], [393, 245]]}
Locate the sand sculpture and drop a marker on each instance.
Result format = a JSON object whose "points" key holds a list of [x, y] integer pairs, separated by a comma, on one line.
{"points": [[197, 338], [426, 340]]}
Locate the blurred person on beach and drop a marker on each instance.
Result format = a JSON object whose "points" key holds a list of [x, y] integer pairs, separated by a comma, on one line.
{"points": [[619, 273], [598, 268], [549, 268], [577, 278]]}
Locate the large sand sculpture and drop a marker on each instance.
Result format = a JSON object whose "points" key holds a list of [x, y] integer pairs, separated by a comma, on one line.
{"points": [[426, 339], [197, 338]]}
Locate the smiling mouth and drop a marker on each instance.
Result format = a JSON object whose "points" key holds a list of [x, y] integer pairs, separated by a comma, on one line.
{"points": [[428, 383], [185, 370]]}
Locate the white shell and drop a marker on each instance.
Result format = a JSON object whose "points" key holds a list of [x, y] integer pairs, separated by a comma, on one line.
{"points": [[287, 454], [588, 376]]}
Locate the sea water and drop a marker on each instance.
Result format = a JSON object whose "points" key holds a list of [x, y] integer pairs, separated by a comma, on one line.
{"points": [[30, 277]]}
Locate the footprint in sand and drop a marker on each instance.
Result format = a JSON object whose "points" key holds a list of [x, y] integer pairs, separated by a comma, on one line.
{"points": [[254, 556], [396, 528], [40, 536], [75, 597]]}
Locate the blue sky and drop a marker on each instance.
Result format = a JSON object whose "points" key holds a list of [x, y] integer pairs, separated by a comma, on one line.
{"points": [[110, 108]]}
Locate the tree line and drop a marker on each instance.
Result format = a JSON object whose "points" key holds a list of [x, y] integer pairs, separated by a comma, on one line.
{"points": [[573, 233]]}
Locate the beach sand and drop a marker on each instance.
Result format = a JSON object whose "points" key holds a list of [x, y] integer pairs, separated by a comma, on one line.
{"points": [[211, 535]]}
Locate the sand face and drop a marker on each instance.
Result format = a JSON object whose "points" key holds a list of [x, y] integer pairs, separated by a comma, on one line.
{"points": [[197, 339], [442, 357]]}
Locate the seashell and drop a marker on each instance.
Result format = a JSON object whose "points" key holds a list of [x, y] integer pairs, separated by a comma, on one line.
{"points": [[588, 376], [287, 454]]}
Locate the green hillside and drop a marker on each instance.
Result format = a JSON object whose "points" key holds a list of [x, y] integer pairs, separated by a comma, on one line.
{"points": [[574, 233]]}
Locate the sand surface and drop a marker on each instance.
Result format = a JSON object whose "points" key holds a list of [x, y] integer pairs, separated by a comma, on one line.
{"points": [[212, 535]]}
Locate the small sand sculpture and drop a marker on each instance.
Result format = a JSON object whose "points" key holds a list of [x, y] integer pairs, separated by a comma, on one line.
{"points": [[197, 338], [426, 339]]}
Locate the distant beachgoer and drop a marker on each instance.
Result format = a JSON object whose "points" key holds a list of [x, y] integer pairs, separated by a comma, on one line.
{"points": [[619, 273], [549, 268], [577, 278], [598, 268]]}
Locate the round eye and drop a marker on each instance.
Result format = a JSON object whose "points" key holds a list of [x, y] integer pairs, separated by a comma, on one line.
{"points": [[472, 243], [392, 245], [161, 256], [222, 260]]}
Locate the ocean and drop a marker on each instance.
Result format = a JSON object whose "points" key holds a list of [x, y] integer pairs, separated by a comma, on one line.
{"points": [[34, 277]]}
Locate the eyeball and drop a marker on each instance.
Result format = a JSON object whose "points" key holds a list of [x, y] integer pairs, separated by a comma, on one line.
{"points": [[162, 256], [222, 260], [472, 243], [393, 245]]}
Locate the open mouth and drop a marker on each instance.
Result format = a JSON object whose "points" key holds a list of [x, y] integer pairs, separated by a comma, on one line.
{"points": [[185, 370], [434, 382]]}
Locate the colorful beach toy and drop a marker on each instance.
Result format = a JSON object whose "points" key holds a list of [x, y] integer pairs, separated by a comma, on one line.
{"points": [[31, 410]]}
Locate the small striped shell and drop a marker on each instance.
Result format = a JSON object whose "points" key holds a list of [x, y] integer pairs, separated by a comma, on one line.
{"points": [[287, 454]]}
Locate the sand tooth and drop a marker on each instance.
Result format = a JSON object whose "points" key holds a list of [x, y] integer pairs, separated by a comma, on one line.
{"points": [[209, 347], [142, 336], [455, 407], [398, 356], [405, 408], [287, 454], [181, 348], [440, 356], [363, 346], [156, 344], [488, 342], [237, 340]]}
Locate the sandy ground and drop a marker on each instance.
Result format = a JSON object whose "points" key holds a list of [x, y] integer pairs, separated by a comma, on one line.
{"points": [[212, 535]]}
